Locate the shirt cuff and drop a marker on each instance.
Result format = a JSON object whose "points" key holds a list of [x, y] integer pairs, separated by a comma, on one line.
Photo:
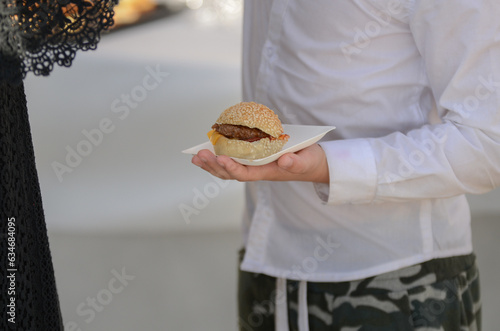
{"points": [[353, 172]]}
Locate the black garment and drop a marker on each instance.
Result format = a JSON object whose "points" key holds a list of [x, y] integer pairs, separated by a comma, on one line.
{"points": [[36, 300], [34, 36]]}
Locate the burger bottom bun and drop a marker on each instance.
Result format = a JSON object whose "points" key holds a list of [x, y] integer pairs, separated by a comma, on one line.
{"points": [[248, 150]]}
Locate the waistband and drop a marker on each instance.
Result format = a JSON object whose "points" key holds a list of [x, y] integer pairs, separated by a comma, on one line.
{"points": [[428, 272]]}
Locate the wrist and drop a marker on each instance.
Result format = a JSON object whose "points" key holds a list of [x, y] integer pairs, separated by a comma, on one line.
{"points": [[321, 171]]}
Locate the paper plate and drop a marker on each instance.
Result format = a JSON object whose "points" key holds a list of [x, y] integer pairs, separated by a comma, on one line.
{"points": [[301, 136]]}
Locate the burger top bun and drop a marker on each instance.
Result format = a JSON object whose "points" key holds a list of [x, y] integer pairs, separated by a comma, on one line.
{"points": [[252, 115]]}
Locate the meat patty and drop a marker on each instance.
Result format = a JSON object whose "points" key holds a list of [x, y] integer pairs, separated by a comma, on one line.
{"points": [[240, 132]]}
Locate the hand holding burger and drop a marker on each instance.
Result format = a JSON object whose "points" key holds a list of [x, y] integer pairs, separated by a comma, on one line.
{"points": [[308, 164]]}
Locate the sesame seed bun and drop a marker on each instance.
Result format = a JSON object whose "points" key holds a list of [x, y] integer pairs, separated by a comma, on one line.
{"points": [[252, 115]]}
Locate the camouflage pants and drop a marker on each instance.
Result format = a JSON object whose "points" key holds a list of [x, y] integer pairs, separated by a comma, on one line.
{"points": [[441, 294]]}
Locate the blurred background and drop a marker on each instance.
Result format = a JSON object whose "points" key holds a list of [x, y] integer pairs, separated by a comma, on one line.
{"points": [[141, 239]]}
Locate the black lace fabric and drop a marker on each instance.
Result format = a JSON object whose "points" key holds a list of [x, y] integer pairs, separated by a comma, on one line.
{"points": [[42, 33], [35, 35]]}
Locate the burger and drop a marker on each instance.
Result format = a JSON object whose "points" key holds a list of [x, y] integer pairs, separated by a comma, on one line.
{"points": [[247, 130]]}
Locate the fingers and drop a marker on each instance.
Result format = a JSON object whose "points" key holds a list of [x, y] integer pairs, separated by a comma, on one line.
{"points": [[232, 168], [208, 162], [220, 166]]}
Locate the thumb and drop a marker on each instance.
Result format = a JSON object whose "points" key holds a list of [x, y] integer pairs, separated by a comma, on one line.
{"points": [[291, 163]]}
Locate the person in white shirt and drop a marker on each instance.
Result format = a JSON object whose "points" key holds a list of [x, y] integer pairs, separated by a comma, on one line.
{"points": [[370, 228]]}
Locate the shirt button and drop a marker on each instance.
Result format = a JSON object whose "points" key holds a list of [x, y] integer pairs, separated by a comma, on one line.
{"points": [[270, 51]]}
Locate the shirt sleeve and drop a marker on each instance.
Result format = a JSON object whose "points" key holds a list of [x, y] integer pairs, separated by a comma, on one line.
{"points": [[459, 42]]}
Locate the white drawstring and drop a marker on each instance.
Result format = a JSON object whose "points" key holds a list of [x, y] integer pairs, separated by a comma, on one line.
{"points": [[281, 313], [303, 318]]}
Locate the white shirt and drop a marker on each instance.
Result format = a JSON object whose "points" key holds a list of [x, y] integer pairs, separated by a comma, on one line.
{"points": [[413, 89]]}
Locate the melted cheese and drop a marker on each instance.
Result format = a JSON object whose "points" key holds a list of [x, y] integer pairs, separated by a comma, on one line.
{"points": [[213, 136]]}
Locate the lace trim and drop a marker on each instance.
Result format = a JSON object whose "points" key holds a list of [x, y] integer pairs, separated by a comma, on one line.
{"points": [[41, 33]]}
